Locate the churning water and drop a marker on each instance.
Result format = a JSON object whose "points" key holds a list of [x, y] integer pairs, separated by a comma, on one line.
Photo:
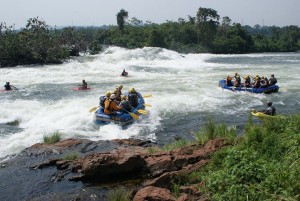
{"points": [[184, 88]]}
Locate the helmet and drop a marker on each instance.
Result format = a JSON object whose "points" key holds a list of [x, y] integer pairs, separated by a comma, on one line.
{"points": [[269, 104], [123, 97], [112, 97], [236, 73], [272, 75], [108, 94], [120, 86], [131, 90], [263, 77]]}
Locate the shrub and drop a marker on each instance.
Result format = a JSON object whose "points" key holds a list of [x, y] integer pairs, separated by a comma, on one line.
{"points": [[55, 137]]}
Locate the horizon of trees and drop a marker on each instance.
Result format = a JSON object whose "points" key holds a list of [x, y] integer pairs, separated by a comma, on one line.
{"points": [[206, 32]]}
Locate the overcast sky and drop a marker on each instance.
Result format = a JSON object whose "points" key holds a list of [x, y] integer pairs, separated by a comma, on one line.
{"points": [[103, 12]]}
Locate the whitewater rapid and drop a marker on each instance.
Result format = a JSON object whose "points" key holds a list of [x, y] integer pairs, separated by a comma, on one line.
{"points": [[184, 89]]}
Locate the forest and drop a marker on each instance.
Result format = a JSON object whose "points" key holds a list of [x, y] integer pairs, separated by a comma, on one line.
{"points": [[207, 32]]}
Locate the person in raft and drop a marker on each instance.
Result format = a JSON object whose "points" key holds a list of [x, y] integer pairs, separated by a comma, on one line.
{"points": [[125, 104], [237, 81], [118, 92], [124, 73], [84, 85], [110, 105], [134, 96], [272, 80], [7, 86], [247, 82], [271, 109], [228, 81]]}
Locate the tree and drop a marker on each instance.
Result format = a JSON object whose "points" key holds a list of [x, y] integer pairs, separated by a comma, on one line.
{"points": [[225, 24], [207, 22], [121, 17]]}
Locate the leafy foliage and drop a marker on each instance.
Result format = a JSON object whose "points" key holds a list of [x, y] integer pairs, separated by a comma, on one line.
{"points": [[38, 44], [264, 166]]}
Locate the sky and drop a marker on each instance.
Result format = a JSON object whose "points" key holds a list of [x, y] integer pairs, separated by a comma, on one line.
{"points": [[103, 12]]}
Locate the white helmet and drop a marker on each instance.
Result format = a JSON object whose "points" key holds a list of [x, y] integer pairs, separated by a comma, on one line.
{"points": [[112, 97]]}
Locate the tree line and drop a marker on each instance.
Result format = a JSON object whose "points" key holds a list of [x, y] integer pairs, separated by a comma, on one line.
{"points": [[37, 43]]}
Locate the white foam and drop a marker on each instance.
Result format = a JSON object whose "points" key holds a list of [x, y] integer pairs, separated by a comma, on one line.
{"points": [[179, 83]]}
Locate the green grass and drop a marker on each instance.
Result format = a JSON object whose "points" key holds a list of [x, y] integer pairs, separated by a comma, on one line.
{"points": [[71, 156], [153, 150], [119, 194], [175, 145], [55, 137], [212, 131]]}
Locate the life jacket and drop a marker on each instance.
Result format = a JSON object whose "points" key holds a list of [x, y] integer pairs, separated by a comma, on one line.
{"points": [[247, 82], [272, 81], [102, 100], [256, 84], [237, 78], [273, 110], [126, 105], [228, 81], [118, 93], [133, 99], [7, 87]]}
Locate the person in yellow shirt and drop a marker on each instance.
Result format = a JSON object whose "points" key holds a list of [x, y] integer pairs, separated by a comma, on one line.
{"points": [[110, 105]]}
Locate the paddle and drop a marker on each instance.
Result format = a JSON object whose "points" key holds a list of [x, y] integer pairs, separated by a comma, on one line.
{"points": [[148, 96], [135, 116], [147, 105], [15, 88], [142, 111], [93, 109]]}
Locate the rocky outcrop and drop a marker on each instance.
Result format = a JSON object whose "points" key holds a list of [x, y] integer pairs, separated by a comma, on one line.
{"points": [[106, 162]]}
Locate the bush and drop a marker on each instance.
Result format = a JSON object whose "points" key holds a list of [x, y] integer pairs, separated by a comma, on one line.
{"points": [[265, 166]]}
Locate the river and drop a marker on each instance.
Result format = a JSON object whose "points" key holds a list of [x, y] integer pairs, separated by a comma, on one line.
{"points": [[184, 89]]}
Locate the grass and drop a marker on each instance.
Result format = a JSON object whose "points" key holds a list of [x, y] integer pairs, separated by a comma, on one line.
{"points": [[119, 194], [71, 156], [212, 131], [153, 150], [53, 138], [175, 145]]}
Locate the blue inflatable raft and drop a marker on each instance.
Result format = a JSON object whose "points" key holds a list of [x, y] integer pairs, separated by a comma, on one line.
{"points": [[267, 90], [122, 117]]}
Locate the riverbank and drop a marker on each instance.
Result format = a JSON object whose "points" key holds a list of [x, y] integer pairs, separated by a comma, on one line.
{"points": [[75, 169], [263, 163]]}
